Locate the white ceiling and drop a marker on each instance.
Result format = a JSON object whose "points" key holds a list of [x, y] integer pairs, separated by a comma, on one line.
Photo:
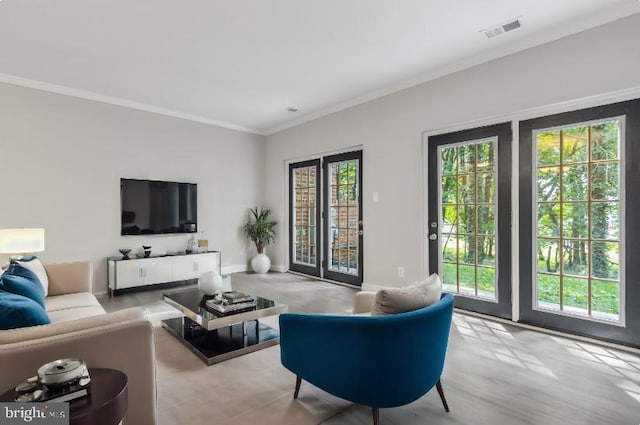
{"points": [[241, 63]]}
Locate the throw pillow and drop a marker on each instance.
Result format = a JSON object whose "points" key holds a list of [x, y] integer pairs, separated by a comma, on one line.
{"points": [[408, 298], [24, 265], [27, 287], [17, 311]]}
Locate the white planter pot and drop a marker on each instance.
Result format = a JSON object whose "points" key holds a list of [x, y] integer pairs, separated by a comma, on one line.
{"points": [[260, 263]]}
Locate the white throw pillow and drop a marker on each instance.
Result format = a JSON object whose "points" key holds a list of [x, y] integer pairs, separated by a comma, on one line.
{"points": [[34, 264], [408, 298]]}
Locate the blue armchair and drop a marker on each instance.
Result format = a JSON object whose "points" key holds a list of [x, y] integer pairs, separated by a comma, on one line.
{"points": [[380, 361]]}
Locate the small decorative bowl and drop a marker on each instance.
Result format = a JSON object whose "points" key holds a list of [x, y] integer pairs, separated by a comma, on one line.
{"points": [[125, 253]]}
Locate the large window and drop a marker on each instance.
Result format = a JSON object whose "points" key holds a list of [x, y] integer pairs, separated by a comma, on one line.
{"points": [[577, 225], [578, 207]]}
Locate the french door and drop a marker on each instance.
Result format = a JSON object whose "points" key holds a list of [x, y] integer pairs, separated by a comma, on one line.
{"points": [[343, 232], [325, 235], [579, 222], [304, 217], [469, 196]]}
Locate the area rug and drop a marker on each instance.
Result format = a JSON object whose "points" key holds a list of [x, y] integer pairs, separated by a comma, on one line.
{"points": [[248, 390]]}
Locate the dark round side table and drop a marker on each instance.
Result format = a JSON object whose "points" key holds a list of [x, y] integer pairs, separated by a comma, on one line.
{"points": [[106, 405]]}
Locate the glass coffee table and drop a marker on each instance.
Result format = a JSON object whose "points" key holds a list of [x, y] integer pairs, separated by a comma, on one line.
{"points": [[215, 338]]}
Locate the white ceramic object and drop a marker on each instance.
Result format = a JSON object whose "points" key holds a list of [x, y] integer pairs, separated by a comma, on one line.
{"points": [[260, 263], [210, 283]]}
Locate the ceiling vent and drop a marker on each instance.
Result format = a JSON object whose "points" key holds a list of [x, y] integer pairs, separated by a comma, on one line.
{"points": [[510, 25]]}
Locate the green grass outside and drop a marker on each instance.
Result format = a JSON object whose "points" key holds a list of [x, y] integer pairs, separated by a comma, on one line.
{"points": [[486, 277], [605, 296]]}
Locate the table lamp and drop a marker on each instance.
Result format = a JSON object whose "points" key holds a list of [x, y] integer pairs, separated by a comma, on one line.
{"points": [[16, 242]]}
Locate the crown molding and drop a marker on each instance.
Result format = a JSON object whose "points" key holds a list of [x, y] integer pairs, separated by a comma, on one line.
{"points": [[118, 101]]}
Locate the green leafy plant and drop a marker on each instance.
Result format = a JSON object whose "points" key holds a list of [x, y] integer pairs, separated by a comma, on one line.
{"points": [[260, 229]]}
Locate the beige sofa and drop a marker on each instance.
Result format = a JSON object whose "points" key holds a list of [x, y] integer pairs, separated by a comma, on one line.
{"points": [[81, 328]]}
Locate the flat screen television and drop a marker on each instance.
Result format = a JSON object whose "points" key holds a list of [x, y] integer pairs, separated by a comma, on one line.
{"points": [[151, 207]]}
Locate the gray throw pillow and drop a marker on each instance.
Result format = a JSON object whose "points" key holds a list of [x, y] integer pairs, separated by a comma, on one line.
{"points": [[400, 300]]}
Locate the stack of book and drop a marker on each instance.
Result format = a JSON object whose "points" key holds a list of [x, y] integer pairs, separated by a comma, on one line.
{"points": [[231, 302], [235, 297]]}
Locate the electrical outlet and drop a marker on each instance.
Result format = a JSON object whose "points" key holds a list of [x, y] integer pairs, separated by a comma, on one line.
{"points": [[400, 272]]}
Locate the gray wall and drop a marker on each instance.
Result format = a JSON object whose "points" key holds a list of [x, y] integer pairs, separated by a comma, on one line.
{"points": [[61, 160], [389, 129]]}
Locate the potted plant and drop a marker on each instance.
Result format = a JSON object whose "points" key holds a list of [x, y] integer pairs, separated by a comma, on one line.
{"points": [[261, 230]]}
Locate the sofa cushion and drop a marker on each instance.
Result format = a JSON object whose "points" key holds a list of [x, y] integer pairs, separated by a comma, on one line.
{"points": [[67, 301], [28, 267], [68, 314], [27, 287], [72, 326], [17, 311], [408, 298]]}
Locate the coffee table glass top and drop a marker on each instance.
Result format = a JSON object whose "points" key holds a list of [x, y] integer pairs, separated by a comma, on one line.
{"points": [[191, 303]]}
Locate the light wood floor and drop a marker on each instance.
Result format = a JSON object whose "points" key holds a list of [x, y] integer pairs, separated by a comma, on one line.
{"points": [[494, 374]]}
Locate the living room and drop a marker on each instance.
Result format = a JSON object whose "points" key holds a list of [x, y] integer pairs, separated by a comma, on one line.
{"points": [[80, 113]]}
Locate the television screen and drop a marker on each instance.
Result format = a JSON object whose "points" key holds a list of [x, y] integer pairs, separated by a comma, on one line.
{"points": [[152, 207]]}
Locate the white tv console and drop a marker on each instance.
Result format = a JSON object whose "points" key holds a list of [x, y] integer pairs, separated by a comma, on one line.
{"points": [[138, 272]]}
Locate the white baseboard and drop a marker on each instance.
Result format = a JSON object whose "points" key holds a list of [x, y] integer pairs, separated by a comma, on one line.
{"points": [[236, 268]]}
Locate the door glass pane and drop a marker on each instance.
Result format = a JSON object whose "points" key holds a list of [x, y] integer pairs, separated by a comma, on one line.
{"points": [[548, 256], [353, 260], [574, 144], [312, 254], [574, 183], [343, 219], [466, 249], [575, 257], [486, 281], [468, 222], [353, 239], [548, 184], [304, 198], [548, 148], [486, 251], [577, 227], [575, 220], [548, 220], [548, 291]]}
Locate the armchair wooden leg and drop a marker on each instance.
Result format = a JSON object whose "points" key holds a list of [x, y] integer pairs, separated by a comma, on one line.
{"points": [[298, 382], [376, 415], [441, 393]]}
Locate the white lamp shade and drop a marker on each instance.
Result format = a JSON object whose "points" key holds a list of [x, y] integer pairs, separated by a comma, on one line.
{"points": [[21, 241]]}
